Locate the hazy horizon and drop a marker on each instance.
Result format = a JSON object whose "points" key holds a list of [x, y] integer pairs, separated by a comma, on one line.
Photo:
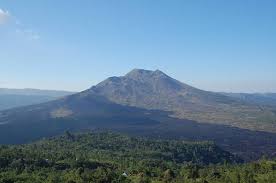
{"points": [[122, 75]]}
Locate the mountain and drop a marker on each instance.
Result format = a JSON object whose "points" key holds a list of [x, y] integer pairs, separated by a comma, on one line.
{"points": [[268, 99], [10, 98], [147, 103], [155, 90]]}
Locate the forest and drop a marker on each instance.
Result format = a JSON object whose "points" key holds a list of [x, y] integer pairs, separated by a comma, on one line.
{"points": [[103, 157]]}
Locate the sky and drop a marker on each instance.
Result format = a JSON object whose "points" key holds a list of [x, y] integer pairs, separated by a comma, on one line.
{"points": [[214, 45]]}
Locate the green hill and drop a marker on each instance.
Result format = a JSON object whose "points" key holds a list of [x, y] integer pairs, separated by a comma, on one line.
{"points": [[85, 157], [108, 157]]}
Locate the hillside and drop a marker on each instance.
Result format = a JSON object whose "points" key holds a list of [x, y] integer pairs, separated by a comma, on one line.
{"points": [[10, 98], [92, 154], [110, 157]]}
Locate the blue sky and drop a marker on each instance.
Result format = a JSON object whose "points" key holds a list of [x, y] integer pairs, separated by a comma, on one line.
{"points": [[211, 44]]}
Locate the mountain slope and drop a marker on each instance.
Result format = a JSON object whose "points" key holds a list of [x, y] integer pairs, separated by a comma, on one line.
{"points": [[75, 112], [155, 90], [10, 98]]}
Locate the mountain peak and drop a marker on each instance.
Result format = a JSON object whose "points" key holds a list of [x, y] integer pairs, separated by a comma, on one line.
{"points": [[159, 73], [141, 73], [138, 72]]}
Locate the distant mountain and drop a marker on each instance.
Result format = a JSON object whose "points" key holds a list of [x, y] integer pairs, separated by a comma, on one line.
{"points": [[10, 98], [148, 103], [268, 99], [35, 92]]}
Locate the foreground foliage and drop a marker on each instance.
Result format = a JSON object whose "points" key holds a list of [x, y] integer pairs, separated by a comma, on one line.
{"points": [[109, 157]]}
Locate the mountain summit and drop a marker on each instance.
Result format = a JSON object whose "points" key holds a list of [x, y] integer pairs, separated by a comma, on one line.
{"points": [[141, 73], [138, 81]]}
